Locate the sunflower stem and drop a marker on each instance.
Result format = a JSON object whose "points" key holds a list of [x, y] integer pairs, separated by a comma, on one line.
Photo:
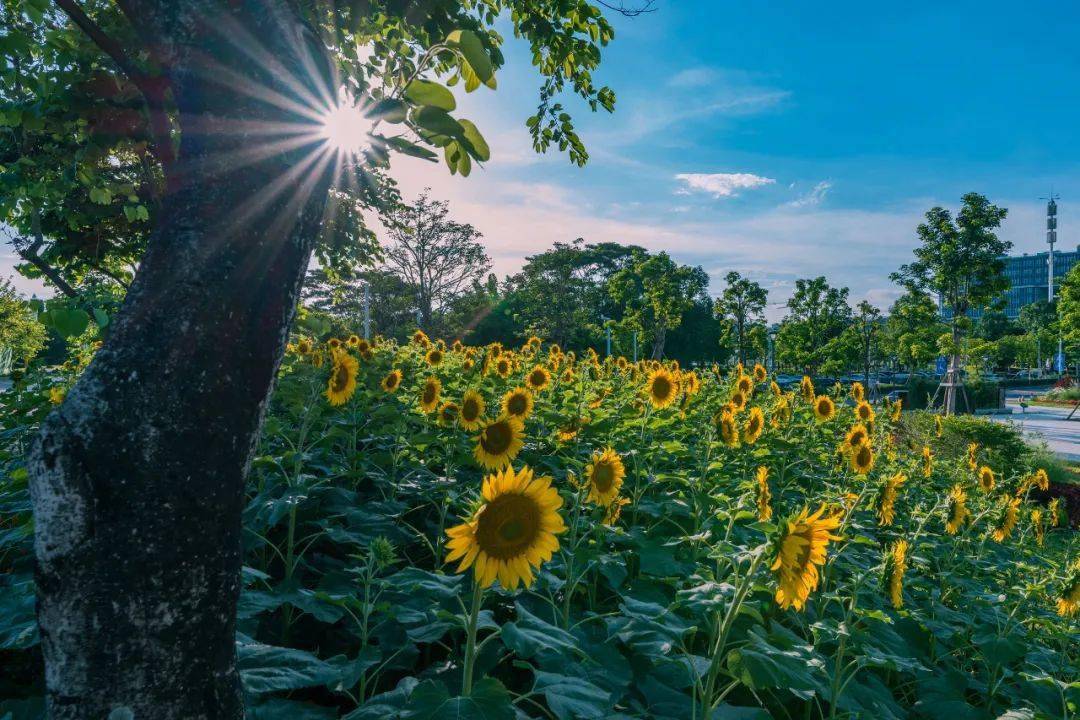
{"points": [[470, 640]]}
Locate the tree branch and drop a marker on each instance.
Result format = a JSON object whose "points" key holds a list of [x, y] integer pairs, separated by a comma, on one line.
{"points": [[153, 88], [30, 254]]}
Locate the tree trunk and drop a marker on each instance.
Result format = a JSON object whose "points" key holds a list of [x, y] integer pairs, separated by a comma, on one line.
{"points": [[952, 373], [137, 479], [658, 342]]}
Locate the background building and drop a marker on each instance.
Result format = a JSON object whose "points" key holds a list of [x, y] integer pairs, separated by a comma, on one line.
{"points": [[1029, 274]]}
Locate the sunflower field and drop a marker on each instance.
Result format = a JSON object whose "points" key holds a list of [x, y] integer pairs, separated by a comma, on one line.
{"points": [[439, 531]]}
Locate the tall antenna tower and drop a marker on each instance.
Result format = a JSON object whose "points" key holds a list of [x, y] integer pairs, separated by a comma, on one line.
{"points": [[1051, 238]]}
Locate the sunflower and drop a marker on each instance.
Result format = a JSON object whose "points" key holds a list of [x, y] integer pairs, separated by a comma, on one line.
{"points": [[362, 345], [938, 428], [986, 479], [468, 364], [862, 460], [972, 456], [57, 394], [858, 392], [800, 550], [1041, 480], [503, 366], [959, 515], [729, 431], [662, 387], [538, 378], [472, 410], [897, 410], [571, 428], [759, 373], [824, 408], [604, 476], [568, 375], [1008, 516], [691, 383], [303, 346], [744, 384], [420, 338], [887, 499], [499, 442], [762, 495], [434, 357], [781, 412], [599, 399], [927, 461], [342, 383], [392, 381], [864, 412], [512, 533], [1052, 509], [856, 437], [895, 567], [429, 394], [353, 340], [806, 387], [775, 389], [755, 424], [1068, 604], [449, 413], [518, 403], [738, 401], [333, 343], [1038, 526]]}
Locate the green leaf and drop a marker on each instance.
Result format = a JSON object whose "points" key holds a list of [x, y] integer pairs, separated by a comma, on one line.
{"points": [[473, 50], [280, 709], [266, 669], [529, 634], [479, 146], [437, 120], [101, 317], [572, 697], [426, 92], [389, 110], [67, 322], [489, 700], [409, 148], [776, 661]]}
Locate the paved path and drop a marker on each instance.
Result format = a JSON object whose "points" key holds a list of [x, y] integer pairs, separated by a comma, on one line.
{"points": [[1046, 424]]}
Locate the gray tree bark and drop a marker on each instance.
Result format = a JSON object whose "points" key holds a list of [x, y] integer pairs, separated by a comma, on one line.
{"points": [[137, 479]]}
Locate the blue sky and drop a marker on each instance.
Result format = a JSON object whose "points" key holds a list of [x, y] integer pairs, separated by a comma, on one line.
{"points": [[788, 139], [791, 139]]}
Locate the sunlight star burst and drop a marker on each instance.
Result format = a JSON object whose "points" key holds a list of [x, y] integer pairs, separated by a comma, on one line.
{"points": [[346, 129]]}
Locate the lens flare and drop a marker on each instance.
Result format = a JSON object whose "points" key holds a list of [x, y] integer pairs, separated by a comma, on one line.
{"points": [[346, 129]]}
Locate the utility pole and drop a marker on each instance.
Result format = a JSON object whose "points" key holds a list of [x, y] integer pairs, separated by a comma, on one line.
{"points": [[1051, 238]]}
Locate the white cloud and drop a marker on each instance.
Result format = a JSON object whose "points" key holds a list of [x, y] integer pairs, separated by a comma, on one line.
{"points": [[812, 198], [721, 184], [692, 77]]}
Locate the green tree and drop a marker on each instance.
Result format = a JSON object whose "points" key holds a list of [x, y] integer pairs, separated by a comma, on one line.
{"points": [[960, 262], [435, 256], [20, 331], [742, 305], [867, 328], [230, 101], [912, 330], [1040, 321], [562, 293], [1068, 309], [655, 292], [811, 334]]}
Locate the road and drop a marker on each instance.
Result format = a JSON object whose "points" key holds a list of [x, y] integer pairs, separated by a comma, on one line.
{"points": [[1045, 424]]}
